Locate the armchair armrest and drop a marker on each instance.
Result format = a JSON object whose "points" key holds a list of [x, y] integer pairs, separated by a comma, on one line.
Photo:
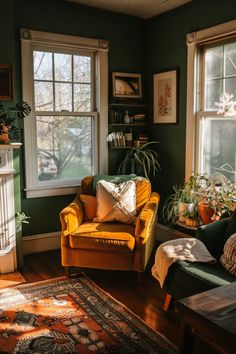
{"points": [[213, 236], [147, 217], [71, 217], [145, 232]]}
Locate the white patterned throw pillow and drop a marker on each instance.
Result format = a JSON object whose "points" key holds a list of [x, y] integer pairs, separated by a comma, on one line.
{"points": [[116, 202], [228, 258]]}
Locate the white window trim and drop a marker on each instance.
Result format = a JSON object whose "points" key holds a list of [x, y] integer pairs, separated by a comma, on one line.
{"points": [[28, 39], [194, 39]]}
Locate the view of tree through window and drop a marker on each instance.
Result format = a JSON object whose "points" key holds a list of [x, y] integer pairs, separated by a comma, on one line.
{"points": [[63, 87], [218, 131]]}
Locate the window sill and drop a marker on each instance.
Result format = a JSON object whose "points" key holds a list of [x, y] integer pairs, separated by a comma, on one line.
{"points": [[51, 192]]}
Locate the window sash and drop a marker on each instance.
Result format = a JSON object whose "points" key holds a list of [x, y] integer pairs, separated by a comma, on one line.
{"points": [[54, 49], [98, 48], [67, 182], [195, 41]]}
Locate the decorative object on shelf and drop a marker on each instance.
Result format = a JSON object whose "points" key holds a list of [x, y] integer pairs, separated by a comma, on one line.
{"points": [[6, 86], [165, 97], [139, 117], [114, 116], [208, 199], [126, 85], [129, 137], [116, 139], [11, 121], [141, 161], [142, 139], [126, 118]]}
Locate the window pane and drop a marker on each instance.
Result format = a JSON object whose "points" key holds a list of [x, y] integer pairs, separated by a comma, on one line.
{"points": [[219, 153], [63, 97], [43, 96], [230, 86], [64, 146], [82, 97], [42, 65], [214, 63], [212, 95], [63, 69], [230, 54], [82, 69]]}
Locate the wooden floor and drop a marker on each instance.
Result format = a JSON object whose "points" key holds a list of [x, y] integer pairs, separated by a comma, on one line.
{"points": [[145, 298]]}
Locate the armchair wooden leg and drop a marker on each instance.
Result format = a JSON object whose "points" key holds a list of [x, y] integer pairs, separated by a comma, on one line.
{"points": [[67, 271], [168, 300]]}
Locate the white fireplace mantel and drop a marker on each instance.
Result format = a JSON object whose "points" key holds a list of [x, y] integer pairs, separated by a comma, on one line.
{"points": [[8, 261]]}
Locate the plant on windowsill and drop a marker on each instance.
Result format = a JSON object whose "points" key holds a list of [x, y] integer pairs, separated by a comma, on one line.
{"points": [[217, 199], [141, 160], [205, 199], [180, 203], [11, 121]]}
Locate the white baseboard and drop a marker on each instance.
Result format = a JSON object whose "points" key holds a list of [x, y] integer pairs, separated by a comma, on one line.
{"points": [[165, 233], [41, 242]]}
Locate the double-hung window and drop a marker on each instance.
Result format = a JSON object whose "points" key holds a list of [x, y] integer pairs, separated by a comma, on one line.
{"points": [[211, 102], [63, 77]]}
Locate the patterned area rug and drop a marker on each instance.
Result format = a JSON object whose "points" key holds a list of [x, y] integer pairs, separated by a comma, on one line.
{"points": [[72, 316]]}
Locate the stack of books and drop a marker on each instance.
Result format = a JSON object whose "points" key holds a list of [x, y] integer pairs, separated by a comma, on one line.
{"points": [[142, 139]]}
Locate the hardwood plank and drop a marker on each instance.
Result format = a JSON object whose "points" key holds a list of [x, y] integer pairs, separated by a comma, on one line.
{"points": [[145, 297]]}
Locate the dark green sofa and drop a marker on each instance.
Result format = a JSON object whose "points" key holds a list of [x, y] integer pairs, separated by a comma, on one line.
{"points": [[186, 279]]}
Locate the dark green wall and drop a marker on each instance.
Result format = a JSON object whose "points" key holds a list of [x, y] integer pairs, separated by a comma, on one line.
{"points": [[126, 39], [167, 49], [135, 46]]}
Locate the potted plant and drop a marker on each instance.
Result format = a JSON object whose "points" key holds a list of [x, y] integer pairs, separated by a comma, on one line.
{"points": [[141, 160], [178, 204], [21, 218], [200, 199], [216, 199], [11, 121], [192, 216]]}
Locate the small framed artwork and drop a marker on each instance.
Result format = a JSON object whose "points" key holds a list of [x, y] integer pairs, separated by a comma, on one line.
{"points": [[125, 85], [6, 89], [165, 97]]}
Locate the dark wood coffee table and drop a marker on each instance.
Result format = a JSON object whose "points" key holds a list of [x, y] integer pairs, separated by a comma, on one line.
{"points": [[208, 317]]}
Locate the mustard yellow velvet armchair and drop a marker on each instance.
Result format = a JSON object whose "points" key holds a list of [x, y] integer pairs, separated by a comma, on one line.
{"points": [[109, 245]]}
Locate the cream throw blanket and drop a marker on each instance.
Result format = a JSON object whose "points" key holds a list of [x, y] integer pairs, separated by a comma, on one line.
{"points": [[181, 249]]}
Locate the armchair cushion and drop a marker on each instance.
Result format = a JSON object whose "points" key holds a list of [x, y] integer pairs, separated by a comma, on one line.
{"points": [[90, 206], [115, 237], [116, 202]]}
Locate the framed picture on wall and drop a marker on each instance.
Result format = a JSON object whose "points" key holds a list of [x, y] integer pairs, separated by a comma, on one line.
{"points": [[126, 85], [6, 89], [165, 97]]}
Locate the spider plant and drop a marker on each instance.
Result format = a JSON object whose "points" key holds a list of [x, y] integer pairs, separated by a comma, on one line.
{"points": [[21, 218], [141, 161]]}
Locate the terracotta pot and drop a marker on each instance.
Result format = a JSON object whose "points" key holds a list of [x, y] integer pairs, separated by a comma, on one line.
{"points": [[191, 222], [205, 213], [183, 208], [4, 136]]}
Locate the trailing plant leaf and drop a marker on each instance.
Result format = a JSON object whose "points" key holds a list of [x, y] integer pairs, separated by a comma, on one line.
{"points": [[21, 218], [141, 160]]}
